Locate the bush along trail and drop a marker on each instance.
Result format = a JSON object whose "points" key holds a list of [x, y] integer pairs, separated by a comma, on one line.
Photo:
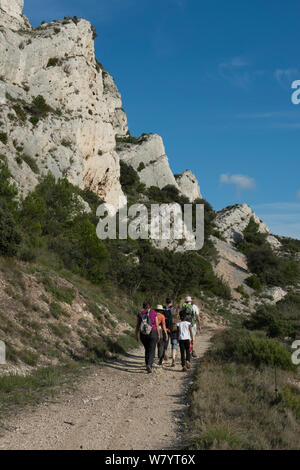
{"points": [[110, 409]]}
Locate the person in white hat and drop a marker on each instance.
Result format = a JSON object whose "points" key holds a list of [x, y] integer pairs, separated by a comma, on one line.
{"points": [[194, 314]]}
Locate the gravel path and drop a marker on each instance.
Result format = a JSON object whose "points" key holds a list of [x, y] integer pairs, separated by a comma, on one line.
{"points": [[119, 407]]}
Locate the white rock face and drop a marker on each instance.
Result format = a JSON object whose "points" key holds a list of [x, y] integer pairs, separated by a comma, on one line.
{"points": [[188, 185], [12, 7], [77, 137], [148, 157], [231, 222], [231, 266], [11, 14], [275, 293]]}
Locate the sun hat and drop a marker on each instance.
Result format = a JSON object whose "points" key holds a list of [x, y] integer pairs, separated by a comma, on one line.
{"points": [[159, 308], [188, 299]]}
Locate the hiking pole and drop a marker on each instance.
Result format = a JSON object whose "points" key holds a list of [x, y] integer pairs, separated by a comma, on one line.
{"points": [[275, 373]]}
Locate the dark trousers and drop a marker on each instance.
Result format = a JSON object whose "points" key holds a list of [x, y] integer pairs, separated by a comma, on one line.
{"points": [[149, 343], [184, 345], [162, 345]]}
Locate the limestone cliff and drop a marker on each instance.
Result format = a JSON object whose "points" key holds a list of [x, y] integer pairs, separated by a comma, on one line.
{"points": [[232, 221], [72, 132], [60, 111]]}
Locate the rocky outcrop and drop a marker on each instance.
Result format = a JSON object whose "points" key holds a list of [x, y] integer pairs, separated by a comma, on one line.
{"points": [[72, 134], [188, 185], [231, 266], [60, 111], [232, 221], [273, 295], [147, 156], [11, 14]]}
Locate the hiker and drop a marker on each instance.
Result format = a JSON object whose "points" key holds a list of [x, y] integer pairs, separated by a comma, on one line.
{"points": [[185, 336], [168, 313], [174, 335], [193, 315], [164, 337], [148, 328]]}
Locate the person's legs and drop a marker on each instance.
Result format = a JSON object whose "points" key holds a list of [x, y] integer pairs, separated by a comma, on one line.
{"points": [[152, 345], [174, 343], [187, 351], [194, 330], [144, 342], [160, 348], [166, 344], [182, 352]]}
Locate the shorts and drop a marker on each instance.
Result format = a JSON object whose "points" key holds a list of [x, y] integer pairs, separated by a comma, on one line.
{"points": [[174, 343]]}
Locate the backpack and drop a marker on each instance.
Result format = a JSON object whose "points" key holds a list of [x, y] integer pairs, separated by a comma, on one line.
{"points": [[168, 313], [175, 320], [145, 325], [190, 314]]}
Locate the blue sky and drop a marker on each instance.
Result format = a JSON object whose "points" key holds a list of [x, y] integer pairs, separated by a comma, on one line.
{"points": [[213, 78]]}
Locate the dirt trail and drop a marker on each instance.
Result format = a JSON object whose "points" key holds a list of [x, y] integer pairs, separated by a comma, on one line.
{"points": [[119, 406]]}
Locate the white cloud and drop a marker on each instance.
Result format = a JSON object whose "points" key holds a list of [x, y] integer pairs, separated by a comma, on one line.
{"points": [[234, 71], [240, 181], [238, 72]]}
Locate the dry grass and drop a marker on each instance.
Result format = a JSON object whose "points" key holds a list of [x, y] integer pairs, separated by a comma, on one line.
{"points": [[234, 406]]}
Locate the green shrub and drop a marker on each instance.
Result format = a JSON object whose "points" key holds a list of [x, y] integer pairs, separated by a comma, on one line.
{"points": [[31, 163], [280, 320], [8, 191], [95, 346], [34, 120], [251, 237], [60, 329], [19, 160], [244, 347], [40, 109], [81, 250], [10, 237], [56, 310], [268, 318], [241, 290], [290, 245], [51, 204], [63, 294], [270, 268], [53, 62], [27, 356], [129, 139], [141, 166], [129, 178], [3, 137], [66, 143], [22, 115], [254, 282], [290, 397], [95, 35]]}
